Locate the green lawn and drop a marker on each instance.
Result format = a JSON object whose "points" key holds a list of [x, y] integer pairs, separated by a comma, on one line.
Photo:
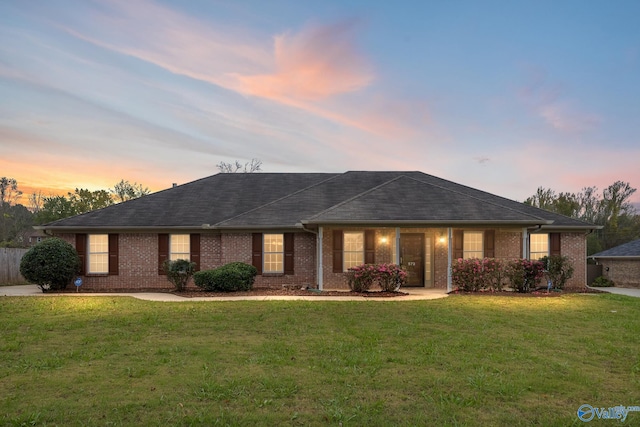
{"points": [[462, 360]]}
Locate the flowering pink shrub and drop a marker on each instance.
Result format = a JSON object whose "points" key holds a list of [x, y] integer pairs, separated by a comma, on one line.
{"points": [[474, 274], [390, 277], [524, 275]]}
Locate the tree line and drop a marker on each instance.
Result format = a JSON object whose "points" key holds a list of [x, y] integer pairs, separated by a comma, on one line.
{"points": [[17, 220], [611, 209]]}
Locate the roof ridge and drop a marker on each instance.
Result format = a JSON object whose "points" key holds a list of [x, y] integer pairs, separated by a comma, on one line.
{"points": [[334, 176], [357, 196]]}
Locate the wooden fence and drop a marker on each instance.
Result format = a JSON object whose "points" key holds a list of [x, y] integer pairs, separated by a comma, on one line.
{"points": [[10, 265]]}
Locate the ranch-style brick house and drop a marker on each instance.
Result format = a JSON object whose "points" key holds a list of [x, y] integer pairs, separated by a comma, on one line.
{"points": [[307, 229]]}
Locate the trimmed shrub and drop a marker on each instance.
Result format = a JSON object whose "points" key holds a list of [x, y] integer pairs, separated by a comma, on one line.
{"points": [[52, 264], [360, 278], [179, 272], [204, 279], [390, 277], [602, 282], [524, 275], [233, 277], [559, 270], [474, 274]]}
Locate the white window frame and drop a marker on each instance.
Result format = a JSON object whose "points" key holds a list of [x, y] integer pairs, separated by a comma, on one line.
{"points": [[542, 239], [352, 252], [98, 254], [273, 253], [177, 245], [472, 252]]}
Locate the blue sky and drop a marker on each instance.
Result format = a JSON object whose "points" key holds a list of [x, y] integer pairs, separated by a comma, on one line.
{"points": [[504, 96]]}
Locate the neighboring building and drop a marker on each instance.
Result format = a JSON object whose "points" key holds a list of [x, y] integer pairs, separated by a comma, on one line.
{"points": [[621, 264], [308, 228]]}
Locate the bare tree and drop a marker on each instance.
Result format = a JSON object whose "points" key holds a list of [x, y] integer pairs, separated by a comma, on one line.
{"points": [[124, 191], [9, 192], [254, 165], [36, 201]]}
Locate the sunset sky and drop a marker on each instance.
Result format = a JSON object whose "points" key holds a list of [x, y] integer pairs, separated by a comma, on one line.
{"points": [[504, 96]]}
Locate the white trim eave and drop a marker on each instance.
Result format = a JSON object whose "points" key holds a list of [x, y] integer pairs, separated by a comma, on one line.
{"points": [[570, 228], [614, 257]]}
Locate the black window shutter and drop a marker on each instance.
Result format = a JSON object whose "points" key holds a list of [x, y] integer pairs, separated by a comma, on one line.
{"points": [[256, 251], [113, 254], [490, 244], [337, 251], [554, 244], [288, 253], [369, 247], [81, 248], [194, 245], [163, 251], [458, 244]]}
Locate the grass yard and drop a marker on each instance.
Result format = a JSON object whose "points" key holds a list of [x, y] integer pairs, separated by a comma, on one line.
{"points": [[463, 360]]}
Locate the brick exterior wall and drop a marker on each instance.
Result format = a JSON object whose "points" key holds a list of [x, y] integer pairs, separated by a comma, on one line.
{"points": [[623, 272], [138, 261], [138, 257], [574, 246]]}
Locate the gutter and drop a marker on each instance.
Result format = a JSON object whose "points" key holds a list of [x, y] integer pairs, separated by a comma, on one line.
{"points": [[441, 223]]}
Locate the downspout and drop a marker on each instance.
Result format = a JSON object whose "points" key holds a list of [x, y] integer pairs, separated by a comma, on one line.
{"points": [[397, 254], [319, 263], [449, 258]]}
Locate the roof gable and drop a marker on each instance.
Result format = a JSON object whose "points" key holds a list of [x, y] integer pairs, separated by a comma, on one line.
{"points": [[405, 199]]}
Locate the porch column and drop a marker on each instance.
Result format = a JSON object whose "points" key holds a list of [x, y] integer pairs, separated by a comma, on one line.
{"points": [[449, 257], [525, 243], [319, 262], [397, 245]]}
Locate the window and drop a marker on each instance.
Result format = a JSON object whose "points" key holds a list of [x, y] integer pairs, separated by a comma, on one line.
{"points": [[538, 246], [179, 247], [472, 245], [273, 253], [353, 249], [98, 253]]}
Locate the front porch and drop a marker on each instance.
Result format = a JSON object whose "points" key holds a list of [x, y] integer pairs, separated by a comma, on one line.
{"points": [[425, 253]]}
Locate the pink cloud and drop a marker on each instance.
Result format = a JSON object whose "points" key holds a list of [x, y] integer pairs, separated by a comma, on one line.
{"points": [[318, 62], [318, 70], [549, 101], [566, 118]]}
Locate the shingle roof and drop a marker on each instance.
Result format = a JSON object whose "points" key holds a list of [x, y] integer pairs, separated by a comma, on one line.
{"points": [[631, 249], [263, 200]]}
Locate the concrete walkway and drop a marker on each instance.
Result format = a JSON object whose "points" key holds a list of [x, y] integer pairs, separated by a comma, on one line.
{"points": [[415, 294], [630, 292]]}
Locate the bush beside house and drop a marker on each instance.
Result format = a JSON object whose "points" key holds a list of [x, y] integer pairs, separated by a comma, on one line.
{"points": [[232, 277], [390, 277], [521, 275], [179, 272], [52, 264]]}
